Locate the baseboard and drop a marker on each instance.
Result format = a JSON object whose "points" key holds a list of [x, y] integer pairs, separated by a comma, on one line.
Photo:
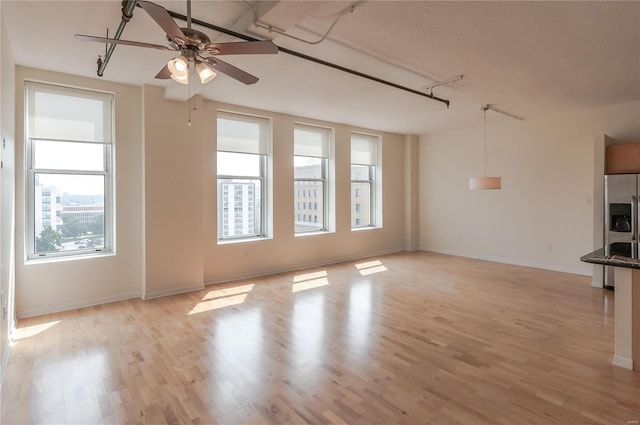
{"points": [[622, 362], [510, 261], [169, 292], [279, 270], [77, 305]]}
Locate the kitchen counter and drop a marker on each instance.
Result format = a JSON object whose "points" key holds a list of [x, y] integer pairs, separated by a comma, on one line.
{"points": [[619, 254], [623, 257]]}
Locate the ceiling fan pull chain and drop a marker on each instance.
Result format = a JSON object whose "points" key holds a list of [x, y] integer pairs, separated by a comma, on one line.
{"points": [[189, 103]]}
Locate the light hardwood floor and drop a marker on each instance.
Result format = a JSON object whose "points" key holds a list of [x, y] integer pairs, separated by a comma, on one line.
{"points": [[407, 338]]}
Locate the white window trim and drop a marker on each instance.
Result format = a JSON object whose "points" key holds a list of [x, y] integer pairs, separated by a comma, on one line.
{"points": [[261, 177], [328, 177], [109, 180], [265, 177], [325, 196], [375, 181]]}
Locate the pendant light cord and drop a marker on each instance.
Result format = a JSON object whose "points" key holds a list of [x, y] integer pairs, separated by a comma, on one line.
{"points": [[485, 140], [188, 67]]}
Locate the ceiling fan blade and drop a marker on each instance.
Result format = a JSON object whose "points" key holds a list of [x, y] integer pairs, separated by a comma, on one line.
{"points": [[164, 74], [242, 48], [125, 42], [162, 18], [230, 70]]}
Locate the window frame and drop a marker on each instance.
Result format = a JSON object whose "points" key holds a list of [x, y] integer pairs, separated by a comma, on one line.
{"points": [[325, 180], [107, 172], [261, 216], [358, 194], [263, 177], [373, 167], [324, 170]]}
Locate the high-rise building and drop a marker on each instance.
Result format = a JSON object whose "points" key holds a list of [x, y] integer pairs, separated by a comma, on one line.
{"points": [[308, 199], [47, 208], [239, 215]]}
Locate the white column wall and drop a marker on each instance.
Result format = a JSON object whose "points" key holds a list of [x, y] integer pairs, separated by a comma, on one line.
{"points": [[44, 287]]}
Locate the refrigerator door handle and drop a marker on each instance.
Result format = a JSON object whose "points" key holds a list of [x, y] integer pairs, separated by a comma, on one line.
{"points": [[634, 218]]}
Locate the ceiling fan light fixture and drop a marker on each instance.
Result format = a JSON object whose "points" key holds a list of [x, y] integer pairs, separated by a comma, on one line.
{"points": [[205, 73], [181, 78], [178, 65]]}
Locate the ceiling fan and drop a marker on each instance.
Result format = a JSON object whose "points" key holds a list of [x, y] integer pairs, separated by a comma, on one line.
{"points": [[195, 47]]}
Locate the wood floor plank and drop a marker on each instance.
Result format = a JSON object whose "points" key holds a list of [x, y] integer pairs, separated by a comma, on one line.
{"points": [[406, 338]]}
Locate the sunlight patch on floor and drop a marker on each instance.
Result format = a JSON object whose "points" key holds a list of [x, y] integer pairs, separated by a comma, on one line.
{"points": [[371, 267], [33, 330], [302, 282], [220, 298]]}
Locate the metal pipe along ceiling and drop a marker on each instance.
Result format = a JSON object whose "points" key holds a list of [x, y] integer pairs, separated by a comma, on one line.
{"points": [[127, 13], [232, 33]]}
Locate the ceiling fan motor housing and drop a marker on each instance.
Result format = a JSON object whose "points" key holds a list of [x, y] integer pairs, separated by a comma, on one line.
{"points": [[194, 39]]}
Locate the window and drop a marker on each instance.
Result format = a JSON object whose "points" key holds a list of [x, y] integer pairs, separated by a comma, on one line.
{"points": [[242, 172], [364, 189], [311, 158], [69, 137]]}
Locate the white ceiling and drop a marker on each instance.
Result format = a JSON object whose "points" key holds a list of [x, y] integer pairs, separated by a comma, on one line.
{"points": [[527, 58]]}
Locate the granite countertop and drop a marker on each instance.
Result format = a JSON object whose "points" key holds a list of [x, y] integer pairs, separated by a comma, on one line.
{"points": [[619, 254]]}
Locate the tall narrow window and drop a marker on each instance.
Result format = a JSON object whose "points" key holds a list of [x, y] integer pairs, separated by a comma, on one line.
{"points": [[69, 136], [311, 157], [242, 168], [364, 171]]}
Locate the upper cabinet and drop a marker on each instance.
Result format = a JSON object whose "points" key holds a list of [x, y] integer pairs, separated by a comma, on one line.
{"points": [[622, 159]]}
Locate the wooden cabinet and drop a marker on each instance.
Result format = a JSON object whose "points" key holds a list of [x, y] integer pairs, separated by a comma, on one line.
{"points": [[622, 159]]}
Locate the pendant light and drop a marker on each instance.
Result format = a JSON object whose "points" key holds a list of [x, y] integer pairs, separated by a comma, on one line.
{"points": [[484, 182]]}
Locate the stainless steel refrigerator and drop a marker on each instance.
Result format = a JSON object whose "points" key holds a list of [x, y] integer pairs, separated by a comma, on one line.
{"points": [[621, 204]]}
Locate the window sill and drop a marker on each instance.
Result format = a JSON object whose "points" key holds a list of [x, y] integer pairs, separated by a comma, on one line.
{"points": [[71, 257], [364, 228], [242, 240], [320, 232]]}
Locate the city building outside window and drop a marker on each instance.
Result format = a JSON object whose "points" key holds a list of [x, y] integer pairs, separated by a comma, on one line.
{"points": [[243, 143], [69, 201], [364, 171], [311, 162]]}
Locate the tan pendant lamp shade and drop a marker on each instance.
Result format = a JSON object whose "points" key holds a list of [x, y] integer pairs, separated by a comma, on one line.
{"points": [[485, 183]]}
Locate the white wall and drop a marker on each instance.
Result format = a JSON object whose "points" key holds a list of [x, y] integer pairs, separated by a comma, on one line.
{"points": [[44, 287], [7, 182], [174, 155], [286, 251], [411, 193], [182, 252], [544, 215]]}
